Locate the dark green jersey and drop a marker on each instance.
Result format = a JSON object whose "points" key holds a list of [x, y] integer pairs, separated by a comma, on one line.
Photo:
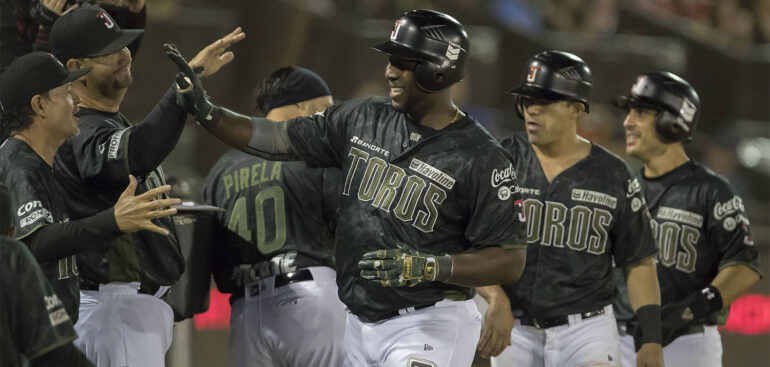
{"points": [[589, 215], [446, 194], [33, 320], [37, 204], [284, 210], [92, 170]]}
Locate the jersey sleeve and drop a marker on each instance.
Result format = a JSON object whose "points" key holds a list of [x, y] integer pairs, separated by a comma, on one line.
{"points": [[32, 202], [631, 236], [497, 216], [320, 139], [38, 318], [101, 152], [728, 228]]}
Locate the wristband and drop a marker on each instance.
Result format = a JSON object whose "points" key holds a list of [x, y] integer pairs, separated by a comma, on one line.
{"points": [[44, 16], [708, 301], [212, 120], [649, 324], [443, 268]]}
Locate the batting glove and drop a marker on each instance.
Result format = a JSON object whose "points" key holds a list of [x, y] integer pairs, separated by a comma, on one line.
{"points": [[195, 102], [402, 266], [677, 317]]}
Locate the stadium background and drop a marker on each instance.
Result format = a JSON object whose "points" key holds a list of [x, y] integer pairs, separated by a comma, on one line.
{"points": [[721, 46]]}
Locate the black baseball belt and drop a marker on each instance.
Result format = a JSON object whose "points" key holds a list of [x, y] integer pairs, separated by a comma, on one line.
{"points": [[549, 322], [392, 314], [144, 288], [281, 280]]}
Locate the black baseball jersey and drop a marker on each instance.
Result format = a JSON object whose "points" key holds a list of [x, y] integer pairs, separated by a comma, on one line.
{"points": [[33, 320], [590, 214], [284, 210], [446, 194], [701, 228], [36, 204], [92, 169]]}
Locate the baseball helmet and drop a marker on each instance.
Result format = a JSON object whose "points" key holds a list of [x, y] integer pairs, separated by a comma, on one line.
{"points": [[554, 76], [676, 101], [437, 41]]}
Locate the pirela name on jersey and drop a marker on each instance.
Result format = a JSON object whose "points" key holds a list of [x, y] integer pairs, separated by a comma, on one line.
{"points": [[578, 228], [413, 198]]}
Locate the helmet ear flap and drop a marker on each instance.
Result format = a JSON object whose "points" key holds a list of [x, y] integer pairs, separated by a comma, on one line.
{"points": [[430, 77], [519, 106], [669, 129]]}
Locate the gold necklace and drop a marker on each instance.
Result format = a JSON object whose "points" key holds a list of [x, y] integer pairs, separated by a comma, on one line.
{"points": [[457, 115]]}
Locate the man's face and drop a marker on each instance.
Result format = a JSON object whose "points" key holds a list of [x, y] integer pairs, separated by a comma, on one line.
{"points": [[405, 95], [60, 108], [314, 105], [546, 121], [641, 140], [110, 72]]}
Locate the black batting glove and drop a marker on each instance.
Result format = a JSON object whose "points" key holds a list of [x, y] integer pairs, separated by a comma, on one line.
{"points": [[195, 102], [678, 316]]}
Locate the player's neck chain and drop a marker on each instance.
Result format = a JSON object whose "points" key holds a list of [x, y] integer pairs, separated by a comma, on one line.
{"points": [[457, 115]]}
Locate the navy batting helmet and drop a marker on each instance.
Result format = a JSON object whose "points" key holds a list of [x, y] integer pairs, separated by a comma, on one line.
{"points": [[554, 76], [437, 41], [676, 101]]}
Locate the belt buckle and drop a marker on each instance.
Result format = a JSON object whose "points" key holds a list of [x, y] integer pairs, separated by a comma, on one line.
{"points": [[537, 324]]}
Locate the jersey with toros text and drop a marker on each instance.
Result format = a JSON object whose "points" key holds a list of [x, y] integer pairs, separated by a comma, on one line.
{"points": [[284, 210], [33, 320], [589, 215], [701, 227], [92, 171], [446, 194], [36, 203]]}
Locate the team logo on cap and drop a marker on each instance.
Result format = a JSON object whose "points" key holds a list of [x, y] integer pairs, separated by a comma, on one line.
{"points": [[396, 28], [108, 22], [688, 109], [452, 51], [638, 87], [532, 73]]}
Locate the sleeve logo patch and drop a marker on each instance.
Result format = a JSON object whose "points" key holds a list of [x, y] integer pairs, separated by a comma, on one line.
{"points": [[419, 362], [504, 193], [58, 317], [731, 206], [681, 216], [115, 144], [432, 173], [729, 224], [633, 188], [51, 302], [24, 209], [500, 177], [636, 204], [594, 197]]}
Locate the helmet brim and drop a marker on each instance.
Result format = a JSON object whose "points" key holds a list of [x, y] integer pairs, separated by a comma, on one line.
{"points": [[628, 102], [405, 52], [533, 92]]}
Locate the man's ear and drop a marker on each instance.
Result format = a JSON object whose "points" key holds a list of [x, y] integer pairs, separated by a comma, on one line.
{"points": [[38, 105], [75, 64], [577, 108]]}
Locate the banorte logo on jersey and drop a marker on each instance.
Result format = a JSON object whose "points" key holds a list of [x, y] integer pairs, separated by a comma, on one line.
{"points": [[503, 176]]}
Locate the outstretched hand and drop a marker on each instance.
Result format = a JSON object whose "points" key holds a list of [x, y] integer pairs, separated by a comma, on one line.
{"points": [[135, 213], [213, 56]]}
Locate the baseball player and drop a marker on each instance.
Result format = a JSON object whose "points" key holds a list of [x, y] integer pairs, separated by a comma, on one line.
{"points": [[285, 212], [35, 326], [422, 217], [707, 256], [38, 107], [584, 211], [122, 320]]}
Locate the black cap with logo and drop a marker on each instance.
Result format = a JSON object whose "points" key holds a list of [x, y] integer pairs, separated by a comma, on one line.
{"points": [[31, 74], [89, 32]]}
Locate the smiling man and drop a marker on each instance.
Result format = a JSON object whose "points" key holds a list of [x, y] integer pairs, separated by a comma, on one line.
{"points": [[584, 211], [429, 204], [707, 256], [123, 321]]}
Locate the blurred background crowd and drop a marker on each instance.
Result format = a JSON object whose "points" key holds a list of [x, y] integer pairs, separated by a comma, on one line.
{"points": [[722, 47]]}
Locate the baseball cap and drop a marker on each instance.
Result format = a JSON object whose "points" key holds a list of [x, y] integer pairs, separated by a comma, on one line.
{"points": [[89, 32], [31, 74], [301, 85]]}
